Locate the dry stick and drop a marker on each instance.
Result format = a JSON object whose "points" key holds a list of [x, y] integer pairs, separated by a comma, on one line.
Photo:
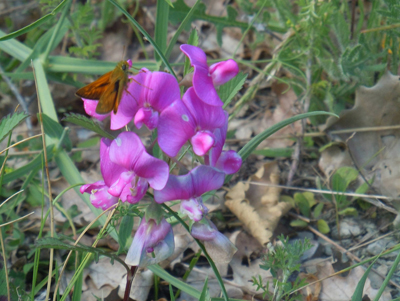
{"points": [[76, 242], [18, 192], [367, 197], [16, 220], [19, 142], [343, 250], [5, 265], [371, 241]]}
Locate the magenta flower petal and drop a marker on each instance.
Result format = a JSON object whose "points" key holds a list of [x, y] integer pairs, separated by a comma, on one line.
{"points": [[128, 151], [118, 186], [99, 197], [133, 194], [194, 208], [176, 126], [110, 171], [207, 117], [192, 185], [229, 162], [150, 238], [90, 109], [202, 80], [202, 142], [127, 108], [223, 72], [148, 117], [220, 136]]}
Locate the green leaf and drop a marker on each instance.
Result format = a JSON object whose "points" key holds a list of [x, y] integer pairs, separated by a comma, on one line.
{"points": [[228, 90], [148, 37], [15, 48], [317, 210], [298, 223], [182, 25], [87, 124], [253, 143], [159, 271], [303, 203], [181, 10], [323, 226], [161, 27], [274, 152], [350, 211], [35, 24], [341, 179], [205, 294], [55, 130], [10, 122], [359, 291], [125, 231]]}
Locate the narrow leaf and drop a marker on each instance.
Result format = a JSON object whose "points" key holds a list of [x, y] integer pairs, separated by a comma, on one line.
{"points": [[359, 291], [148, 37], [87, 124], [161, 30], [9, 122], [125, 231], [205, 294], [55, 130], [15, 48], [228, 90], [35, 24]]}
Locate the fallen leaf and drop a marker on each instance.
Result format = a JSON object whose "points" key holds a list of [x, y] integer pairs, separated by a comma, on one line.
{"points": [[258, 206]]}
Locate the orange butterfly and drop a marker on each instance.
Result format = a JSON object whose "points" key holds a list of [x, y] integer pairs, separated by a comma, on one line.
{"points": [[107, 89]]}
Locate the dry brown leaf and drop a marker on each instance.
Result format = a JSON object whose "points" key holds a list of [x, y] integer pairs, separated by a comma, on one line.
{"points": [[340, 288], [258, 207], [376, 151], [311, 292]]}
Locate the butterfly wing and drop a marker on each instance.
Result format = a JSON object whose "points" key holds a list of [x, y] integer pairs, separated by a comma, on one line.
{"points": [[109, 100], [95, 90]]}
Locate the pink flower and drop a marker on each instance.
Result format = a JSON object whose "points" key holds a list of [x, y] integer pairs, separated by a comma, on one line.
{"points": [[99, 196], [218, 246], [189, 189], [141, 169], [148, 94], [152, 243], [205, 78], [189, 118], [227, 161]]}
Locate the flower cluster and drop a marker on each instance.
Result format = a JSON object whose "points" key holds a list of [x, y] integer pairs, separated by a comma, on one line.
{"points": [[154, 99]]}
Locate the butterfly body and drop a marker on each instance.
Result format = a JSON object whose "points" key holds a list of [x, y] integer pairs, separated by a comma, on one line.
{"points": [[107, 89]]}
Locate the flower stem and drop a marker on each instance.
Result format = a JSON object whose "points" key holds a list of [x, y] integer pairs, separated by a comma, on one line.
{"points": [[129, 279], [200, 244]]}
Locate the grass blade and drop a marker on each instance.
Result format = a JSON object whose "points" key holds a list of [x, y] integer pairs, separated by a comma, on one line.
{"points": [[358, 293], [15, 48], [35, 24], [161, 30], [148, 37]]}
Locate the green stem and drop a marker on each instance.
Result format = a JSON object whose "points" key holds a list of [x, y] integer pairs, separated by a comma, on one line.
{"points": [[189, 270], [210, 261], [281, 285]]}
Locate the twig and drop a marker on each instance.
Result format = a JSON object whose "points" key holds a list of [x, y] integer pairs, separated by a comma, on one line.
{"points": [[19, 142], [366, 197], [16, 220], [5, 266], [343, 250], [371, 241], [18, 192], [19, 97]]}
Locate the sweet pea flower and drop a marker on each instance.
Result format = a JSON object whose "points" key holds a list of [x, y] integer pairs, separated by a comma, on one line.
{"points": [[150, 93], [228, 162], [152, 243], [189, 118], [100, 195], [218, 246], [141, 169], [206, 78], [189, 188]]}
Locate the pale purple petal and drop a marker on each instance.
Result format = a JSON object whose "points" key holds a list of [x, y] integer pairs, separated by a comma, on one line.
{"points": [[90, 109], [223, 72], [127, 108], [176, 127], [220, 136], [99, 197], [194, 208], [192, 185], [128, 151], [147, 116], [220, 249], [202, 142], [89, 187], [204, 231], [110, 171], [202, 80], [149, 238], [229, 162], [207, 117]]}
